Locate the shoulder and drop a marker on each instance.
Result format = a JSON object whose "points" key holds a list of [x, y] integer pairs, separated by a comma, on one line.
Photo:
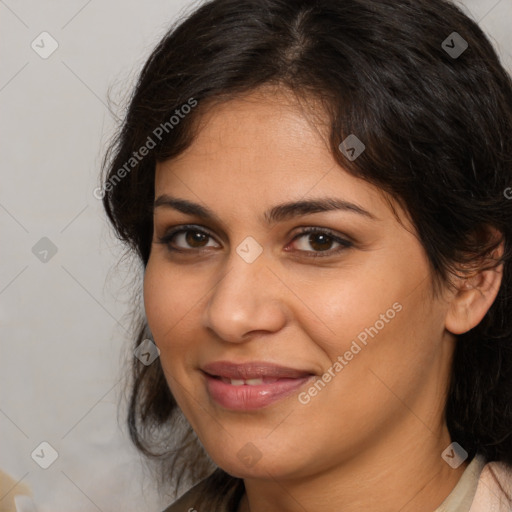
{"points": [[494, 490]]}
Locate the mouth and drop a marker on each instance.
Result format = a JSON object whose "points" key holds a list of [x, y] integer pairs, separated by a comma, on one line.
{"points": [[253, 370], [246, 382], [253, 385]]}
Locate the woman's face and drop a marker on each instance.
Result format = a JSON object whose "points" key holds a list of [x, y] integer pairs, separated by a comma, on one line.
{"points": [[347, 310]]}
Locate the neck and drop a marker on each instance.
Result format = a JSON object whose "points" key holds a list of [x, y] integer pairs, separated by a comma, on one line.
{"points": [[407, 475]]}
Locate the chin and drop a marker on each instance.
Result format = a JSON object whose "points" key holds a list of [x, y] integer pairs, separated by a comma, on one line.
{"points": [[267, 467]]}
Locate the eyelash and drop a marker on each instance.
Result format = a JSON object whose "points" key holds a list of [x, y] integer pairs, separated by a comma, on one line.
{"points": [[345, 244]]}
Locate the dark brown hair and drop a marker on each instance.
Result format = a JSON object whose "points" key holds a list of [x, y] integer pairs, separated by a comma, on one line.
{"points": [[437, 129]]}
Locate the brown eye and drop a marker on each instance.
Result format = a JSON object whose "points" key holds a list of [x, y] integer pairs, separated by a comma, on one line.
{"points": [[195, 238], [185, 238], [320, 241]]}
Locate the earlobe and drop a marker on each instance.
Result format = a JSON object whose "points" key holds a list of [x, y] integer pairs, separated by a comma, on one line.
{"points": [[473, 298]]}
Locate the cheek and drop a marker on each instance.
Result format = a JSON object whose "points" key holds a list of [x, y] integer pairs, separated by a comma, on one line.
{"points": [[173, 299], [166, 303], [382, 319], [343, 305], [168, 297], [162, 308]]}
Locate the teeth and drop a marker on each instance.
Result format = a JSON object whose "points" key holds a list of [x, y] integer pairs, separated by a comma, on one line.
{"points": [[254, 382], [241, 382]]}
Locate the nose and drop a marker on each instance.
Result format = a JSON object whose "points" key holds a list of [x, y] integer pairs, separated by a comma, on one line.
{"points": [[249, 298]]}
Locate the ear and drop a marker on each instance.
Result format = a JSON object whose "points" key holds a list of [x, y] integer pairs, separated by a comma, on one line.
{"points": [[474, 296]]}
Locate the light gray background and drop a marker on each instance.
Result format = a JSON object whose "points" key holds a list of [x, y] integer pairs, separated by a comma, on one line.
{"points": [[64, 341]]}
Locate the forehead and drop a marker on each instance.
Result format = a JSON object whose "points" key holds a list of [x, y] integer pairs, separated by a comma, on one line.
{"points": [[263, 126], [262, 149]]}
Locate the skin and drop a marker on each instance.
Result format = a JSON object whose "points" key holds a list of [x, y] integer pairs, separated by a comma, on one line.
{"points": [[372, 438]]}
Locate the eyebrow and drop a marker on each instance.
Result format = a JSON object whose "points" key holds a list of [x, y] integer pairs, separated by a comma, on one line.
{"points": [[278, 213]]}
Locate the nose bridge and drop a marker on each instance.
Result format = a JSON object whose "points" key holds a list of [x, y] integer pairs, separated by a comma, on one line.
{"points": [[246, 298]]}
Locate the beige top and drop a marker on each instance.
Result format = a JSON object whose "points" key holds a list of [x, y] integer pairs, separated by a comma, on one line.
{"points": [[461, 497], [481, 488]]}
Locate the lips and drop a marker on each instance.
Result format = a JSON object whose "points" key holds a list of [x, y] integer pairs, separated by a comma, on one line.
{"points": [[253, 385], [253, 370]]}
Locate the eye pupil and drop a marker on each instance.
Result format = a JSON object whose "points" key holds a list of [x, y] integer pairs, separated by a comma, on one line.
{"points": [[327, 241], [195, 237]]}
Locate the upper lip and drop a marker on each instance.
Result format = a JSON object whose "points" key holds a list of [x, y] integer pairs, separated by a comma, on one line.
{"points": [[253, 370]]}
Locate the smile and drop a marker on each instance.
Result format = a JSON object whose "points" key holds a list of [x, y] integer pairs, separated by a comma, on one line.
{"points": [[251, 386]]}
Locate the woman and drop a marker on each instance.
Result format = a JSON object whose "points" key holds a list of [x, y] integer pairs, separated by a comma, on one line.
{"points": [[316, 191]]}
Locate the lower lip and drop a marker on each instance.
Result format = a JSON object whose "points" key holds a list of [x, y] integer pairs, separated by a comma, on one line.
{"points": [[247, 398]]}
